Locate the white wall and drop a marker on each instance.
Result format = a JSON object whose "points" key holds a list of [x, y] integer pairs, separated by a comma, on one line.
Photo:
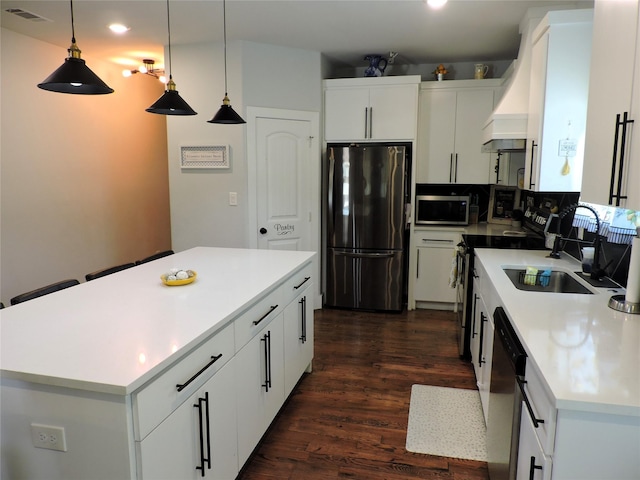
{"points": [[258, 75], [83, 177]]}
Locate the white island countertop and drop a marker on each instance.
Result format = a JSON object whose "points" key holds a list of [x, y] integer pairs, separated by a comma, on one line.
{"points": [[115, 333], [588, 354]]}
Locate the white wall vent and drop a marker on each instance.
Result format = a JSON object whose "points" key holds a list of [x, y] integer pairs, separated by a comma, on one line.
{"points": [[27, 15]]}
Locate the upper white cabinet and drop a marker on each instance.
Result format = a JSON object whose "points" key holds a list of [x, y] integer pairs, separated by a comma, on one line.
{"points": [[614, 88], [558, 92], [450, 121], [372, 108]]}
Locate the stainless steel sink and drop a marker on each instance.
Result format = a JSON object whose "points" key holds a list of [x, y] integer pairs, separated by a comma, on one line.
{"points": [[556, 282]]}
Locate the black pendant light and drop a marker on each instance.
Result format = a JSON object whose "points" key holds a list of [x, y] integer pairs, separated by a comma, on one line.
{"points": [[226, 114], [73, 76], [170, 103]]}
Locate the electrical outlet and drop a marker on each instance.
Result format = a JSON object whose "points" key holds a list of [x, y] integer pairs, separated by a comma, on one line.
{"points": [[233, 198], [49, 437]]}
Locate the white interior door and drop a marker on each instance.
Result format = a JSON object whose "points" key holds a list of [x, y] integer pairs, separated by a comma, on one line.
{"points": [[284, 143]]}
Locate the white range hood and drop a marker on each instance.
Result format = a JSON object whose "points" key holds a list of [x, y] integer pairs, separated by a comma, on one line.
{"points": [[506, 128]]}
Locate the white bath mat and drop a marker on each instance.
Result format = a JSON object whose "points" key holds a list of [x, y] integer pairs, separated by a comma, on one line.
{"points": [[447, 422]]}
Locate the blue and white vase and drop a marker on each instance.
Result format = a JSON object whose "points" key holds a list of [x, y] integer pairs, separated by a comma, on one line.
{"points": [[376, 67]]}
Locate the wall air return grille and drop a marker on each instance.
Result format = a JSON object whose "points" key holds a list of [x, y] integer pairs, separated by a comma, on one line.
{"points": [[27, 15]]}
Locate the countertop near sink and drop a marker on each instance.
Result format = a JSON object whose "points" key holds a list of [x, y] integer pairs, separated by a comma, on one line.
{"points": [[588, 354]]}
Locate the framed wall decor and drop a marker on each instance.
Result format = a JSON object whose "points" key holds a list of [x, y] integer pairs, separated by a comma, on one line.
{"points": [[502, 202], [205, 157]]}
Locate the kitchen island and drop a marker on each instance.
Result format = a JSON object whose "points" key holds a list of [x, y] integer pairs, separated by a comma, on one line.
{"points": [[582, 372], [125, 369]]}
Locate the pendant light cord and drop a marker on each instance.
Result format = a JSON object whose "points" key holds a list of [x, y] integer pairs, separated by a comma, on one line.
{"points": [[73, 28], [224, 35], [169, 32]]}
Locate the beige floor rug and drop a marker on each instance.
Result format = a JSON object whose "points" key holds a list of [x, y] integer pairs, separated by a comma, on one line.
{"points": [[447, 422]]}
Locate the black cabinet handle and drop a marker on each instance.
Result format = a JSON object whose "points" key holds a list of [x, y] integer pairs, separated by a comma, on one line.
{"points": [[306, 279], [536, 421], [455, 171], [214, 359], [483, 318], [621, 127], [533, 467], [473, 316], [533, 149], [203, 404], [303, 316], [267, 360], [451, 168], [366, 121], [273, 307]]}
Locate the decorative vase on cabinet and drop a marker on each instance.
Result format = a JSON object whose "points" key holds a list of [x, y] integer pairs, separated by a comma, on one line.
{"points": [[376, 67]]}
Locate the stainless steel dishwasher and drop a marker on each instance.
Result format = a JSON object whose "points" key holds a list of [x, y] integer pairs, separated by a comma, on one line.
{"points": [[505, 399]]}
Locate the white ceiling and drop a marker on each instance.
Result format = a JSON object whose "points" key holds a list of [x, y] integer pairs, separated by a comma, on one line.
{"points": [[343, 30]]}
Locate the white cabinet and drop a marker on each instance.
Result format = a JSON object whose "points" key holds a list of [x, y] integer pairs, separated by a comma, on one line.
{"points": [[298, 335], [381, 108], [616, 34], [533, 463], [260, 387], [481, 346], [199, 438], [434, 255], [450, 121], [558, 93]]}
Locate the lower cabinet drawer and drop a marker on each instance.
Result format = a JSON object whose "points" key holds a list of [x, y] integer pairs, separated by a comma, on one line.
{"points": [[297, 283], [543, 408], [154, 402], [249, 323]]}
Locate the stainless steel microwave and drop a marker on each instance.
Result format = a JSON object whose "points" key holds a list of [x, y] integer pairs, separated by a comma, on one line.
{"points": [[442, 210]]}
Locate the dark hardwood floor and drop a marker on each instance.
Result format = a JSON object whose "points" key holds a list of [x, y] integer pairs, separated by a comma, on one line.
{"points": [[348, 419]]}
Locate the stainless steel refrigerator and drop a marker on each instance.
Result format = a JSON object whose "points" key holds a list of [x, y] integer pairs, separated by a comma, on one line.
{"points": [[366, 198]]}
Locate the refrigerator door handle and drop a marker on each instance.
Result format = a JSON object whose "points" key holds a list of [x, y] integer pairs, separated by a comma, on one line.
{"points": [[366, 255]]}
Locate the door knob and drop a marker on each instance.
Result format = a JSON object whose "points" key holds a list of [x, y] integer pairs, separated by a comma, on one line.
{"points": [[263, 230]]}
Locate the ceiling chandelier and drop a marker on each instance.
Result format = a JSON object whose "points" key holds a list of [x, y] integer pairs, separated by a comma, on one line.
{"points": [[147, 68]]}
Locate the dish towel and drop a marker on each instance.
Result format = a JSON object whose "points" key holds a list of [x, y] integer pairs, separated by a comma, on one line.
{"points": [[453, 274]]}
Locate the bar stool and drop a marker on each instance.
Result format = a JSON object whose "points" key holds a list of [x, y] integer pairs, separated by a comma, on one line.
{"points": [[155, 256], [108, 271], [39, 292]]}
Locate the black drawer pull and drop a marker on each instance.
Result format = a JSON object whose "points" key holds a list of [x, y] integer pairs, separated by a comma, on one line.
{"points": [[306, 279], [184, 385], [533, 467], [273, 307], [536, 421]]}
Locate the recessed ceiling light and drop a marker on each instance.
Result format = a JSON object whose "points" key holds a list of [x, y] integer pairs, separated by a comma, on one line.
{"points": [[436, 3], [118, 28]]}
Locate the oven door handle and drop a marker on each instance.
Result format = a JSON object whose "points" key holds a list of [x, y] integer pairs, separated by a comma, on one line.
{"points": [[536, 421]]}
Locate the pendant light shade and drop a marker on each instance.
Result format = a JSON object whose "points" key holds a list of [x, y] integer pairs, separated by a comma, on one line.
{"points": [[73, 76], [170, 103], [226, 115]]}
